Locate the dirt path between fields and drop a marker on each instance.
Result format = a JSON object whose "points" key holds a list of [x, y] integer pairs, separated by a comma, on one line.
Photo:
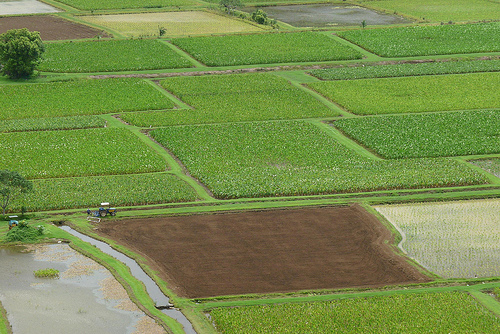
{"points": [[266, 251]]}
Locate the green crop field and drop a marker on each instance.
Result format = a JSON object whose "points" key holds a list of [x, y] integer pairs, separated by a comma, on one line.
{"points": [[175, 24], [227, 98], [454, 239], [440, 10], [407, 69], [113, 55], [427, 135], [265, 49], [45, 154], [79, 97], [414, 94], [52, 123], [428, 40], [295, 158], [125, 4], [81, 192], [452, 312]]}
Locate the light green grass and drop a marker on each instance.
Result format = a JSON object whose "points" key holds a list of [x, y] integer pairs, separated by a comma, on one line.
{"points": [[447, 312], [229, 98], [407, 69], [453, 239], [52, 123], [265, 49], [295, 158], [440, 10], [113, 55], [126, 4], [175, 24], [414, 94], [428, 40], [120, 190], [427, 135], [79, 97], [44, 154]]}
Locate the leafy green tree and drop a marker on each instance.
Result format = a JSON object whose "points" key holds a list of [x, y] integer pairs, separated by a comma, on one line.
{"points": [[20, 52], [230, 5], [12, 184], [260, 16]]}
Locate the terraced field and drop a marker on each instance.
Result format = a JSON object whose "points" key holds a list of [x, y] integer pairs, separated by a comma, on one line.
{"points": [[268, 176]]}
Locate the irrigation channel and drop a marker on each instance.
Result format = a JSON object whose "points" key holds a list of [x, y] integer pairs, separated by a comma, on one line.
{"points": [[162, 302]]}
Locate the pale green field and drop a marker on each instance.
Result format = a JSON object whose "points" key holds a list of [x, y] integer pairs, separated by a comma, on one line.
{"points": [[454, 240], [175, 23], [440, 10]]}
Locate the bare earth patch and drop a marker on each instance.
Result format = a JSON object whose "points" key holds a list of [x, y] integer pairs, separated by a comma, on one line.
{"points": [[267, 251], [50, 27]]}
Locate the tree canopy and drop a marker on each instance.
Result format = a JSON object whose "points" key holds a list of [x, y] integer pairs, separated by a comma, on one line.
{"points": [[11, 185], [230, 5], [20, 52]]}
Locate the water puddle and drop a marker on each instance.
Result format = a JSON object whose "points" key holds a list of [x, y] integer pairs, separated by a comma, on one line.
{"points": [[86, 298], [162, 302], [321, 15], [10, 7]]}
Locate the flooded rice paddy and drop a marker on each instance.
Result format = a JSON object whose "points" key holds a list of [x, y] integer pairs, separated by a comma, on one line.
{"points": [[85, 299], [321, 15]]}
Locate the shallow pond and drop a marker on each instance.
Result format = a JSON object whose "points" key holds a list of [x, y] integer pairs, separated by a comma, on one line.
{"points": [[321, 15], [85, 299], [10, 7]]}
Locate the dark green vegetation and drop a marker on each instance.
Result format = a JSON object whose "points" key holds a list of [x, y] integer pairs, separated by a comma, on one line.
{"points": [[229, 98], [24, 232], [12, 185], [428, 40], [20, 52], [265, 49], [413, 94], [276, 158], [427, 135], [407, 69], [79, 97], [416, 313], [114, 55]]}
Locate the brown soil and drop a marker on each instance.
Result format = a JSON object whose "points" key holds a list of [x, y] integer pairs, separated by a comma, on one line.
{"points": [[50, 27], [267, 251]]}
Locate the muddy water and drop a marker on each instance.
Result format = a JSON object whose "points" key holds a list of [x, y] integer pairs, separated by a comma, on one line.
{"points": [[82, 300], [12, 7], [153, 290], [321, 15]]}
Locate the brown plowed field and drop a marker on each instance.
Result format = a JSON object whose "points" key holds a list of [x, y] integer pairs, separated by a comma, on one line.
{"points": [[50, 27], [266, 251]]}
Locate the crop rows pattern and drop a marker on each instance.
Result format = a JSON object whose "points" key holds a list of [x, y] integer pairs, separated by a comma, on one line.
{"points": [[52, 123]]}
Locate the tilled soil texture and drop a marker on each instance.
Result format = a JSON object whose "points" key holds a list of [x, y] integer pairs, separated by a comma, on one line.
{"points": [[266, 251], [50, 27]]}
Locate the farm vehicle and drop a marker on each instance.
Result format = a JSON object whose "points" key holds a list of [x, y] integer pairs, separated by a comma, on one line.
{"points": [[103, 211]]}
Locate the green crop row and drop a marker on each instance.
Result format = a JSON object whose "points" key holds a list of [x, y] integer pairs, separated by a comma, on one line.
{"points": [[414, 94], [407, 69], [45, 154], [265, 49], [427, 135], [295, 158], [126, 4], [120, 190], [51, 123], [227, 98], [447, 312], [428, 40], [79, 97], [113, 55]]}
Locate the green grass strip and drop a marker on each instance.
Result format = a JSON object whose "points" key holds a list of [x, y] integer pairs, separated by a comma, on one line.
{"points": [[407, 69], [414, 94], [428, 40], [4, 322], [52, 123], [109, 56]]}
